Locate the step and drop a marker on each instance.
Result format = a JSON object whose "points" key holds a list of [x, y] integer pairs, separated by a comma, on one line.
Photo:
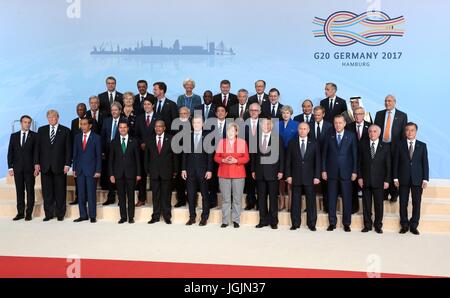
{"points": [[428, 224]]}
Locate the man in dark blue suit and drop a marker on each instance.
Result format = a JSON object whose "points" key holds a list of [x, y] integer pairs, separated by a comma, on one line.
{"points": [[411, 174], [87, 166], [208, 108], [339, 168], [334, 105], [307, 115]]}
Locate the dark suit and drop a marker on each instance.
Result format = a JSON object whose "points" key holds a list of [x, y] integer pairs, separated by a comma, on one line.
{"points": [[125, 167], [364, 135], [303, 171], [250, 183], [138, 106], [143, 133], [397, 135], [302, 118], [340, 161], [97, 125], [105, 104], [254, 98], [266, 166], [86, 163], [231, 100], [52, 159], [196, 163], [235, 111], [374, 173], [22, 160], [161, 167], [201, 109], [168, 112], [410, 173], [339, 107], [266, 110]]}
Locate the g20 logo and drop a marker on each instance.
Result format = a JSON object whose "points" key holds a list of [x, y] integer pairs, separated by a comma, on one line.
{"points": [[371, 28]]}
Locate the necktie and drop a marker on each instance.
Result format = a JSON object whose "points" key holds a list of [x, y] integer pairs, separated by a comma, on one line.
{"points": [[124, 146], [264, 145], [159, 145], [273, 111], [159, 107], [339, 139], [241, 114], [220, 127], [253, 128], [303, 148], [206, 111], [111, 99], [372, 150], [52, 135], [142, 98], [24, 138], [94, 115], [331, 104], [259, 98], [318, 131], [359, 132], [387, 129], [84, 142], [114, 130], [196, 140], [307, 118], [224, 100], [411, 150], [147, 122]]}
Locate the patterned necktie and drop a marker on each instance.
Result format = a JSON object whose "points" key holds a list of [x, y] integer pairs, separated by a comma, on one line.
{"points": [[372, 150], [52, 135], [224, 100], [84, 142], [411, 150], [24, 138], [124, 146], [159, 145], [303, 149]]}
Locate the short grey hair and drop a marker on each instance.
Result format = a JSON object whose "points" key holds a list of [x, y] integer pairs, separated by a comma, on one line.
{"points": [[391, 96], [255, 104], [188, 80], [242, 90], [376, 127], [288, 109], [186, 109], [94, 97], [52, 112], [117, 105]]}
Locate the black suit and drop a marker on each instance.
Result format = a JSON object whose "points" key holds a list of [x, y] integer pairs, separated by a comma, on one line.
{"points": [[411, 173], [250, 183], [138, 106], [201, 109], [302, 118], [339, 107], [167, 113], [397, 135], [266, 166], [196, 162], [374, 172], [143, 134], [161, 168], [52, 159], [235, 111], [105, 104], [231, 100], [125, 167], [22, 158], [97, 125], [303, 171], [363, 136], [254, 98], [266, 110]]}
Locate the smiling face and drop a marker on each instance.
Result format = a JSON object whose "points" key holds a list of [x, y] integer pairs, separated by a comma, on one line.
{"points": [[307, 107], [267, 125], [225, 88], [160, 127], [81, 111], [142, 88], [260, 87], [273, 97], [389, 102], [123, 129]]}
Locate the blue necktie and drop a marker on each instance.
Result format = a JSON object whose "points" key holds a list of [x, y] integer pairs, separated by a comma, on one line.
{"points": [[339, 139], [114, 130]]}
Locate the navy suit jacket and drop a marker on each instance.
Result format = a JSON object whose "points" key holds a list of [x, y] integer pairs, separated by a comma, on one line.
{"points": [[411, 171], [106, 133], [87, 162], [327, 127], [340, 161]]}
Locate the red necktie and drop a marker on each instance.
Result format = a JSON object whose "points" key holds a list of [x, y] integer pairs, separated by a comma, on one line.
{"points": [[84, 142], [159, 145], [224, 100], [148, 121]]}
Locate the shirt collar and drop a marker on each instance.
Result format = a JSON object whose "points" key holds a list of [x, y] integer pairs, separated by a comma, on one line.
{"points": [[162, 136], [333, 98], [88, 134], [301, 139]]}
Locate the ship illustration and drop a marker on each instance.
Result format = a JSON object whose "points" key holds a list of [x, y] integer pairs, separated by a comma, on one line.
{"points": [[176, 49]]}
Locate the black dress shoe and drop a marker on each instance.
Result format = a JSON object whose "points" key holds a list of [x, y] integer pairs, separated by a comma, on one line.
{"points": [[109, 202], [60, 218], [74, 202], [18, 217], [190, 222], [153, 220], [394, 199], [365, 230], [28, 218], [379, 230], [212, 205], [47, 218], [293, 228], [203, 222], [331, 227], [355, 211], [258, 226], [414, 231], [93, 220], [180, 204], [249, 207], [122, 220], [347, 229], [313, 229], [224, 226], [167, 221], [403, 230], [274, 227], [80, 219], [235, 225], [131, 221]]}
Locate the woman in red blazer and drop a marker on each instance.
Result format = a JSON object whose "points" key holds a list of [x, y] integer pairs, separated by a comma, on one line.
{"points": [[231, 155]]}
